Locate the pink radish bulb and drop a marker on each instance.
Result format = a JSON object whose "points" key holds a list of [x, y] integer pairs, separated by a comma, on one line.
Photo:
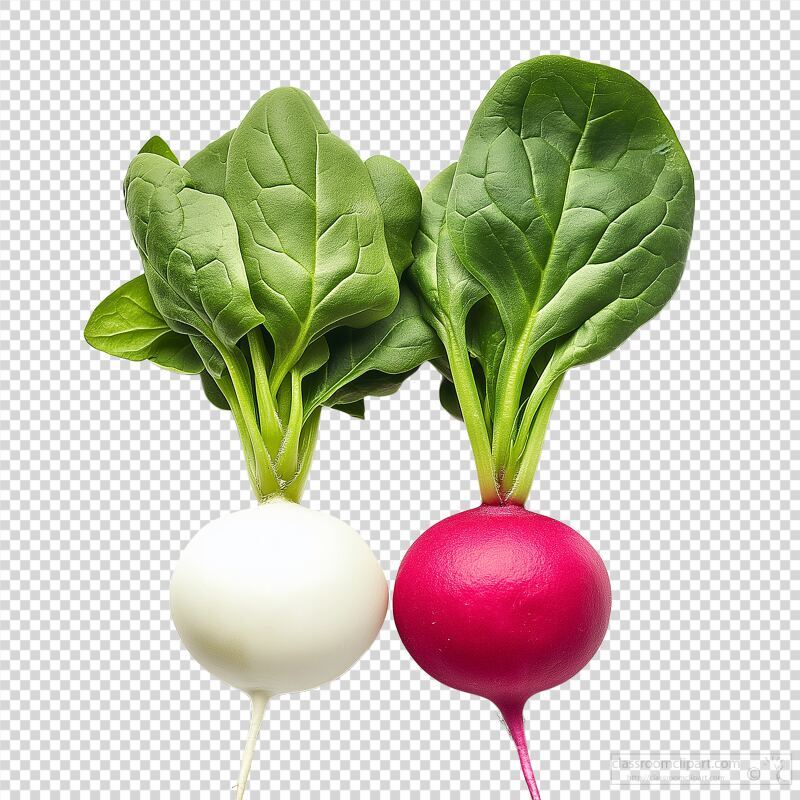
{"points": [[502, 603]]}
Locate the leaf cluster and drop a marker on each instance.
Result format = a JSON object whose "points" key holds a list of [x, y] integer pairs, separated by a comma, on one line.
{"points": [[291, 275], [563, 227], [272, 264]]}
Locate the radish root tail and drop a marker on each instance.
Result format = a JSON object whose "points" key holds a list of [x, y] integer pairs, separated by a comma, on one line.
{"points": [[516, 727], [259, 700]]}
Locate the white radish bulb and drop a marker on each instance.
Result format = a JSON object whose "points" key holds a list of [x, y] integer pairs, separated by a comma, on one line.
{"points": [[277, 598]]}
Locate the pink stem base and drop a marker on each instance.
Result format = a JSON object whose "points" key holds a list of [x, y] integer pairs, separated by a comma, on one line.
{"points": [[512, 714]]}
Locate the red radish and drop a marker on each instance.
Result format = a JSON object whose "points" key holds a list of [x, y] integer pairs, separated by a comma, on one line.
{"points": [[562, 228], [503, 603]]}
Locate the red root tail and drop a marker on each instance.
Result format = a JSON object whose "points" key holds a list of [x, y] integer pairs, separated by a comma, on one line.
{"points": [[516, 727]]}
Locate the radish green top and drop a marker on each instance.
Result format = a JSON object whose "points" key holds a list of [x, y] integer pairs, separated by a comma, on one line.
{"points": [[272, 264], [563, 227]]}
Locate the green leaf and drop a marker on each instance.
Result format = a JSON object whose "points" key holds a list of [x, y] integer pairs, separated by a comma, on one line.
{"points": [[371, 384], [449, 399], [315, 355], [566, 226], [355, 409], [401, 204], [127, 324], [208, 167], [486, 337], [159, 147], [211, 357], [447, 289], [572, 204], [377, 355], [448, 292], [213, 392], [442, 365], [190, 249], [310, 226]]}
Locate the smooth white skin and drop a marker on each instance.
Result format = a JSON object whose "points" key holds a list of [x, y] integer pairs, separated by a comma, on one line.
{"points": [[278, 598]]}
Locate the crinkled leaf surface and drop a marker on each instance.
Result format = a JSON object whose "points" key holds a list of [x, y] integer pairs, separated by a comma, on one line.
{"points": [[447, 290], [401, 204], [310, 225], [572, 204], [127, 324], [189, 245], [208, 167], [395, 346]]}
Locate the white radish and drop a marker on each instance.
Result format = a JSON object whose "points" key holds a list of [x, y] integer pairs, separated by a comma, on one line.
{"points": [[277, 598]]}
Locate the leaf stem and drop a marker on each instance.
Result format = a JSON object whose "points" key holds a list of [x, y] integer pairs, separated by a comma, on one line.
{"points": [[472, 411], [529, 462], [270, 423], [308, 439], [546, 380], [281, 367], [509, 389], [226, 387], [266, 478], [287, 465]]}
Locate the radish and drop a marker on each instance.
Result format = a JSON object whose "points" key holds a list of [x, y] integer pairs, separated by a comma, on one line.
{"points": [[563, 227], [272, 263], [277, 598], [502, 603]]}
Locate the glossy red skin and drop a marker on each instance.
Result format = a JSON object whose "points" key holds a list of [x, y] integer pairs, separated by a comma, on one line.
{"points": [[501, 602]]}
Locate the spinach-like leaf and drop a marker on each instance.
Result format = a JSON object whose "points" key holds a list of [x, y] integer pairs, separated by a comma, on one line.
{"points": [[213, 392], [371, 384], [208, 167], [401, 204], [127, 324], [189, 246], [310, 226], [572, 204], [563, 227], [486, 338], [159, 147], [447, 289], [355, 409], [448, 292], [280, 224], [449, 399], [373, 360]]}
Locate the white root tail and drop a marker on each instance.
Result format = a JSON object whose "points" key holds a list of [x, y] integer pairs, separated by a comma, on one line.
{"points": [[259, 700]]}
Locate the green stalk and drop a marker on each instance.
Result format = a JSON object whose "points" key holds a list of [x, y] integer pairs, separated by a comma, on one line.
{"points": [[543, 385], [521, 488], [240, 378], [282, 367], [226, 387], [509, 390], [472, 411], [270, 423], [308, 439], [288, 465]]}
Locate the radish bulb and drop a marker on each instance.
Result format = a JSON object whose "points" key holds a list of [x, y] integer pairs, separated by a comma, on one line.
{"points": [[277, 598], [503, 603]]}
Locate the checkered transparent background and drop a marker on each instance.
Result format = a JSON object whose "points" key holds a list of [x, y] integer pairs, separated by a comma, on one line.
{"points": [[676, 456]]}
